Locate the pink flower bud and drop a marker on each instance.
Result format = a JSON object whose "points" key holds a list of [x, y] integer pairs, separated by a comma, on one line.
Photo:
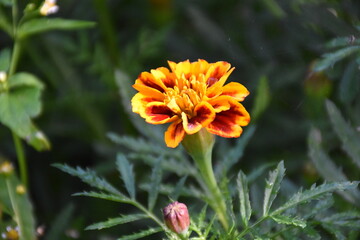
{"points": [[176, 217]]}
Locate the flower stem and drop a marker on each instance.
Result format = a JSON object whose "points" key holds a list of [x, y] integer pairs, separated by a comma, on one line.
{"points": [[199, 146], [21, 159]]}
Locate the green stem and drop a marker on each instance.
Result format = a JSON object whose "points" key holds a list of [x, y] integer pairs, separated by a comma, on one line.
{"points": [[247, 229], [199, 146], [17, 142], [21, 159]]}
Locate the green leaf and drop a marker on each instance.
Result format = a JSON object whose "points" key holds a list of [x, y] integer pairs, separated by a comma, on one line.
{"points": [[289, 220], [349, 219], [155, 182], [262, 98], [232, 156], [350, 83], [178, 188], [39, 25], [116, 221], [245, 207], [342, 42], [141, 234], [90, 177], [330, 59], [326, 167], [38, 140], [348, 136], [105, 196], [21, 207], [5, 58], [21, 103], [60, 223], [314, 193], [272, 187], [127, 174]]}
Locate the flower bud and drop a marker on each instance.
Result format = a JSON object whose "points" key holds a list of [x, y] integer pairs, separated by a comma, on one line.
{"points": [[176, 217]]}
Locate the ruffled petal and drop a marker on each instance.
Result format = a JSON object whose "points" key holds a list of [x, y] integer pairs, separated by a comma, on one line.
{"points": [[139, 102], [220, 103], [149, 80], [204, 115], [159, 113], [228, 123], [216, 72], [174, 134], [216, 88], [235, 90]]}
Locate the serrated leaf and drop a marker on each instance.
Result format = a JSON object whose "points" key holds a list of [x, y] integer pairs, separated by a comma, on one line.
{"points": [[330, 59], [39, 25], [178, 188], [272, 187], [334, 231], [348, 136], [20, 103], [349, 219], [245, 207], [105, 196], [314, 193], [262, 98], [341, 42], [21, 208], [127, 174], [232, 156], [141, 234], [282, 219], [90, 177], [116, 221], [349, 86], [5, 58], [326, 167], [155, 182]]}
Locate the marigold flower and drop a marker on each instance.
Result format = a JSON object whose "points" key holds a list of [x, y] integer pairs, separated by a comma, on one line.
{"points": [[192, 96], [176, 217]]}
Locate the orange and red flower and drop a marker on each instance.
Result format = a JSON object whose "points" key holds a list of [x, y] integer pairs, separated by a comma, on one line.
{"points": [[192, 96]]}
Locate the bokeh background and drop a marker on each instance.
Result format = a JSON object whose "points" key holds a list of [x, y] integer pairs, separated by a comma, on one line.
{"points": [[271, 43]]}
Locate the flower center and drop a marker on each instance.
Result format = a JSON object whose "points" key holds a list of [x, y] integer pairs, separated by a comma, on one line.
{"points": [[186, 94]]}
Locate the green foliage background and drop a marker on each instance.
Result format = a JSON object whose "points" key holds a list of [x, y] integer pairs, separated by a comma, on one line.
{"points": [[275, 45]]}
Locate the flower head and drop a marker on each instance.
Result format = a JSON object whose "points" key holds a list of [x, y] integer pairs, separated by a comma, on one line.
{"points": [[11, 233], [49, 7], [176, 217], [191, 96]]}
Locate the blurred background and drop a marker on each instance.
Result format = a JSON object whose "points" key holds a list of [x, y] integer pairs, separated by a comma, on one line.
{"points": [[273, 44]]}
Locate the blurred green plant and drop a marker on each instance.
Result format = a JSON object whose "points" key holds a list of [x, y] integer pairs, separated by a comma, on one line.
{"points": [[20, 96]]}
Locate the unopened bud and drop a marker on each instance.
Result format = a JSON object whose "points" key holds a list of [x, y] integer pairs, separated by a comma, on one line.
{"points": [[176, 217]]}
